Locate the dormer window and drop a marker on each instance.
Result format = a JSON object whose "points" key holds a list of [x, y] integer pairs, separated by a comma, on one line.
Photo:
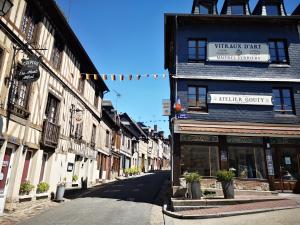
{"points": [[273, 10], [205, 9], [238, 9]]}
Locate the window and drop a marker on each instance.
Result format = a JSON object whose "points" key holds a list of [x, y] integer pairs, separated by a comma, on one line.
{"points": [[56, 55], [107, 139], [123, 140], [93, 139], [278, 51], [283, 101], [128, 143], [237, 9], [29, 24], [197, 98], [273, 10], [52, 108], [96, 99], [205, 9], [248, 161], [200, 158], [81, 85], [78, 131], [197, 50]]}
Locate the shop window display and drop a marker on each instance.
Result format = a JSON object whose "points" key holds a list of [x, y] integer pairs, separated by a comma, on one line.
{"points": [[201, 159], [248, 162]]}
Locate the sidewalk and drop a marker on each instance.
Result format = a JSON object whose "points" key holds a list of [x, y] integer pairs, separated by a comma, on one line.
{"points": [[289, 202]]}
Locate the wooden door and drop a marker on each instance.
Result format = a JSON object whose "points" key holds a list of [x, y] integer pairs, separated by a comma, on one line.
{"points": [[26, 166], [4, 170]]}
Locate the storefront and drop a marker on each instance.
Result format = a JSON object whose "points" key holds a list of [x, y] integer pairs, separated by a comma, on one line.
{"points": [[260, 162]]}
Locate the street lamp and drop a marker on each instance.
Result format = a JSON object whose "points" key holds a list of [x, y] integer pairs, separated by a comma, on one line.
{"points": [[5, 6]]}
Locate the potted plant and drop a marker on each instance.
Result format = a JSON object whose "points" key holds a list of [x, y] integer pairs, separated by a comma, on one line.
{"points": [[42, 187], [26, 188], [193, 184], [126, 172], [74, 178], [60, 191], [226, 179]]}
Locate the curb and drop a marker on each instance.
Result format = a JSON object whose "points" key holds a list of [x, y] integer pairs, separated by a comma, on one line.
{"points": [[225, 214]]}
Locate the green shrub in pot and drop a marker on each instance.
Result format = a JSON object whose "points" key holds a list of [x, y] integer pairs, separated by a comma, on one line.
{"points": [[74, 178], [43, 187], [193, 184], [226, 179], [26, 188]]}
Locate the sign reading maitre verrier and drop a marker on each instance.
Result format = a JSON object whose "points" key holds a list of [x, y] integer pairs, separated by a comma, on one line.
{"points": [[238, 52], [240, 99]]}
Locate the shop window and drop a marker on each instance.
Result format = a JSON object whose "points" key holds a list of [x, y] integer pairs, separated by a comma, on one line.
{"points": [[197, 98], [278, 51], [238, 9], [205, 9], [30, 23], [248, 162], [197, 50], [203, 159], [52, 109], [56, 55], [273, 10], [283, 101]]}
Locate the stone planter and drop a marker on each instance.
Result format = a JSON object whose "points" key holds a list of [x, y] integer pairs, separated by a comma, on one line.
{"points": [[60, 191], [228, 189], [194, 190]]}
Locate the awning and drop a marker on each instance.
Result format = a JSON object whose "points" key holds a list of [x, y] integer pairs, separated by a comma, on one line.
{"points": [[236, 129]]}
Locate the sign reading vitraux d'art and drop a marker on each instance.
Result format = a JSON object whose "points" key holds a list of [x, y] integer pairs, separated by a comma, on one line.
{"points": [[238, 52], [240, 99], [29, 71]]}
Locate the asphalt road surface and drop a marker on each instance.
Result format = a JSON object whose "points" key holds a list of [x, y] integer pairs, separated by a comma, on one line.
{"points": [[128, 202]]}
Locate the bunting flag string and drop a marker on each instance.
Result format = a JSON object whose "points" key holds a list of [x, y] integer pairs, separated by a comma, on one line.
{"points": [[121, 77]]}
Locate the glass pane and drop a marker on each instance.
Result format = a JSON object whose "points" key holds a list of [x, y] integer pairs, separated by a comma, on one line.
{"points": [[192, 101], [272, 44], [272, 10], [273, 54], [202, 51], [203, 9], [237, 9], [192, 44], [287, 101], [192, 53], [277, 101], [280, 44], [202, 44], [192, 90], [202, 159], [248, 161], [286, 93], [202, 91], [276, 93]]}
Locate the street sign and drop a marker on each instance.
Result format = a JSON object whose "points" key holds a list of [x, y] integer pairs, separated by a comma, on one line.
{"points": [[29, 71], [166, 107]]}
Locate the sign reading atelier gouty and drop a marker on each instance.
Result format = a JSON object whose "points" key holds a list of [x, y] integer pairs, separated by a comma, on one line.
{"points": [[240, 99], [238, 52]]}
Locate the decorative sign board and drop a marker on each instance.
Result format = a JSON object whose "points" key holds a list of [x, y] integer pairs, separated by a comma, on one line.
{"points": [[287, 160], [238, 52], [240, 99], [166, 107], [29, 71]]}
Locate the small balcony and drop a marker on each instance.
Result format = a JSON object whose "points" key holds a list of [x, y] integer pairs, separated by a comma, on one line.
{"points": [[50, 135], [18, 111]]}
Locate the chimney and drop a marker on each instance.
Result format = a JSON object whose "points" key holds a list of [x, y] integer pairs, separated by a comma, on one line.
{"points": [[155, 128]]}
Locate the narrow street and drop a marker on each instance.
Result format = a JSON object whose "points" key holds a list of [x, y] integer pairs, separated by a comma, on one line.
{"points": [[124, 202]]}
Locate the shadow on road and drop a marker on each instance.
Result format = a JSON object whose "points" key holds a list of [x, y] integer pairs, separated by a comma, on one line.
{"points": [[145, 189]]}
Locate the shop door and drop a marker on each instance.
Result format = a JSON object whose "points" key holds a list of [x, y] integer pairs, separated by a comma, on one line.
{"points": [[26, 166], [289, 169], [5, 170]]}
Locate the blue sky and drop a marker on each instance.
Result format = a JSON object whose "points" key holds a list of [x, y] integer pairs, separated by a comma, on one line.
{"points": [[128, 37]]}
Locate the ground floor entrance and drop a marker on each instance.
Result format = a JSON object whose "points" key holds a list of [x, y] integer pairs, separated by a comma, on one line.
{"points": [[260, 163]]}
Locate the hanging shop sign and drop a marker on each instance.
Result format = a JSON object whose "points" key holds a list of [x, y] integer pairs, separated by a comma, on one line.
{"points": [[166, 107], [78, 116], [29, 71], [240, 99], [238, 52]]}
